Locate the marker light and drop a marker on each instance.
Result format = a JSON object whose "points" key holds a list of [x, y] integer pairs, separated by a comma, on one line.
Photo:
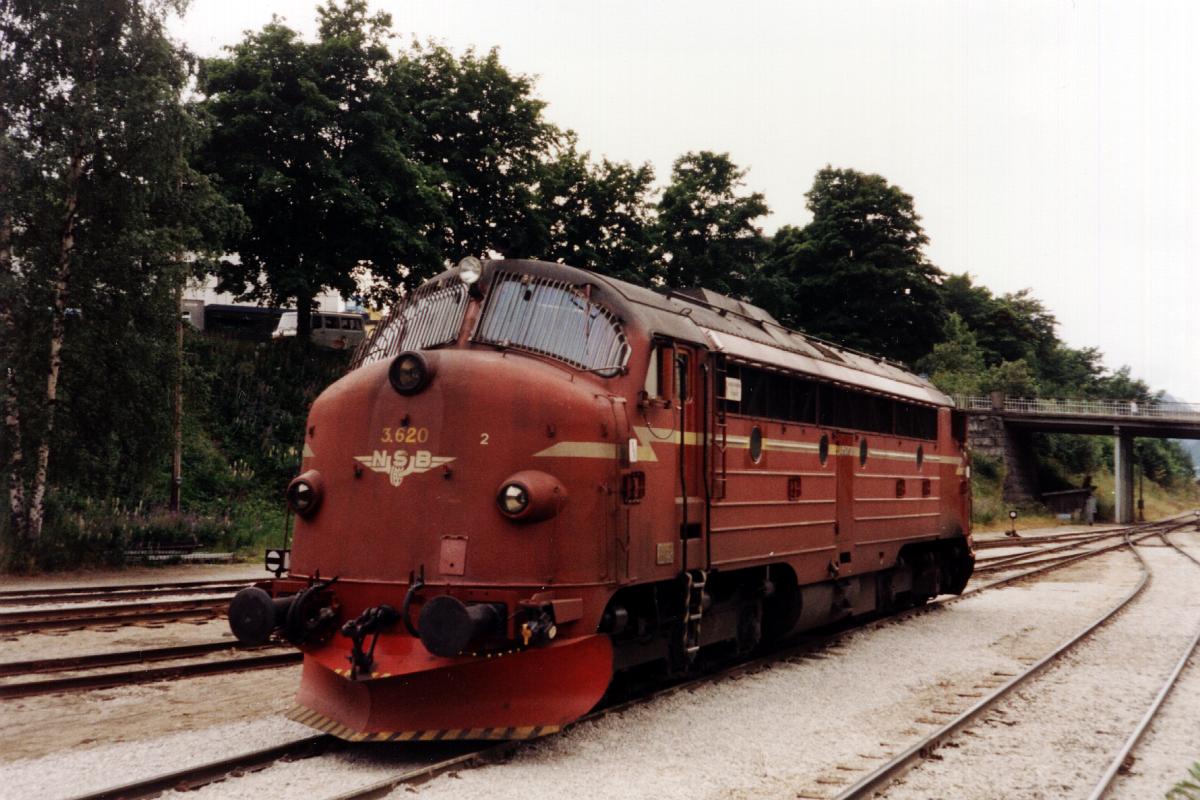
{"points": [[409, 373], [469, 270], [304, 493], [513, 499]]}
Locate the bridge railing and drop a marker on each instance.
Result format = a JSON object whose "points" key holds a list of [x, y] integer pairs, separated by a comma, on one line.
{"points": [[1081, 408]]}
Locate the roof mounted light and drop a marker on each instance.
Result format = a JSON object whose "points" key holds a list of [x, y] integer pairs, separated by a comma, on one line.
{"points": [[469, 270], [409, 373]]}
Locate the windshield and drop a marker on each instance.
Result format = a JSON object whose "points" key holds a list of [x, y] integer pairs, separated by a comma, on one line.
{"points": [[553, 318], [428, 317]]}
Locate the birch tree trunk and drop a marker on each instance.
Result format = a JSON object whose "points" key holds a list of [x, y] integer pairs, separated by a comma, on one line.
{"points": [[57, 334], [12, 418]]}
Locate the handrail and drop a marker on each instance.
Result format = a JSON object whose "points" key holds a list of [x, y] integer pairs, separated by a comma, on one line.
{"points": [[1040, 406]]}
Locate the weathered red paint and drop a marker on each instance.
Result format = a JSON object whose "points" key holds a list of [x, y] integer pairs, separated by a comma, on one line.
{"points": [[409, 485]]}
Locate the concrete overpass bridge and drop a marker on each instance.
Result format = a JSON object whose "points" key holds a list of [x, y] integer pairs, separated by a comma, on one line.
{"points": [[1000, 423]]}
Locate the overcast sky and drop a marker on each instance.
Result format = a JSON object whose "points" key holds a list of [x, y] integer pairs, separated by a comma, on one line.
{"points": [[1049, 145]]}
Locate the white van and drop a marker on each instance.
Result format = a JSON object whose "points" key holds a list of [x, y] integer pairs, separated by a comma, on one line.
{"points": [[336, 330]]}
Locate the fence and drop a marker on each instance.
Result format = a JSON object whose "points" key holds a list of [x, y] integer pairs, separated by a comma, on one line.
{"points": [[1134, 409]]}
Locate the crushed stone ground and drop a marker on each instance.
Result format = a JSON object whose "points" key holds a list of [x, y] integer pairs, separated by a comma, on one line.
{"points": [[1054, 736], [805, 728]]}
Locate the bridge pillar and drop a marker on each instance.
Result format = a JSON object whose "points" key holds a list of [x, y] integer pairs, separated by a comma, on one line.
{"points": [[1123, 472]]}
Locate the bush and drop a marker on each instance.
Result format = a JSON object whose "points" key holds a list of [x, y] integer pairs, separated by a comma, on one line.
{"points": [[80, 530]]}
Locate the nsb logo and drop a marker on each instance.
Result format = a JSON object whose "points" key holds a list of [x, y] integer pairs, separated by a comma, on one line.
{"points": [[399, 464]]}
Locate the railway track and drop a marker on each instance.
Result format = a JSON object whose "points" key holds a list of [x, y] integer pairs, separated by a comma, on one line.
{"points": [[1039, 546], [259, 658], [883, 775], [1041, 555], [316, 745], [115, 592], [110, 615]]}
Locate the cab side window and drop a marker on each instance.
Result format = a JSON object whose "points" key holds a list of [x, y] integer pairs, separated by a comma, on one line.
{"points": [[658, 372]]}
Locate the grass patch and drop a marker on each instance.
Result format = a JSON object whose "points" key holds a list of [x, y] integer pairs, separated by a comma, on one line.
{"points": [[1188, 788]]}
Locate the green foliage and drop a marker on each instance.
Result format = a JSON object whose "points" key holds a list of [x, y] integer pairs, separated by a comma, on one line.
{"points": [[481, 129], [857, 274], [987, 489], [245, 408], [1013, 378], [315, 143], [706, 225], [82, 530], [955, 365], [1188, 788], [247, 403], [1164, 461], [1008, 328], [597, 216], [96, 190]]}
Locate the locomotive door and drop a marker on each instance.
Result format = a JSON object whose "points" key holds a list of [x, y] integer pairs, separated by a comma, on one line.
{"points": [[691, 502]]}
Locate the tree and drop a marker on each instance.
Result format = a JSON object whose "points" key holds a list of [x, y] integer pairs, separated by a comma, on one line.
{"points": [[706, 225], [597, 216], [955, 365], [311, 141], [857, 273], [1013, 378], [482, 129], [1010, 327], [95, 218]]}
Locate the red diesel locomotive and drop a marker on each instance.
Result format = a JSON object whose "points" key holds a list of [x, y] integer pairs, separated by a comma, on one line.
{"points": [[534, 476]]}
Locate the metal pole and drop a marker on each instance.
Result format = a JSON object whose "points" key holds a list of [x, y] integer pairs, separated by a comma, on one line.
{"points": [[177, 421]]}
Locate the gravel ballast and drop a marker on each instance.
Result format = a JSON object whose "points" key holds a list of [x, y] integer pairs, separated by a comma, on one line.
{"points": [[1055, 735], [806, 727], [1172, 742]]}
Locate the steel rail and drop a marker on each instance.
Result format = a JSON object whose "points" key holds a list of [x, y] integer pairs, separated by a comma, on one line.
{"points": [[1071, 541], [1170, 525], [1028, 562], [110, 614], [1022, 541], [103, 589], [194, 777], [108, 680], [99, 660], [882, 775], [205, 773], [81, 597], [1102, 786], [1074, 544]]}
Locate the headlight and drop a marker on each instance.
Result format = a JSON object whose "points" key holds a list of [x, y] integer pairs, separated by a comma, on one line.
{"points": [[304, 493], [531, 496], [469, 270], [513, 499], [409, 373]]}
